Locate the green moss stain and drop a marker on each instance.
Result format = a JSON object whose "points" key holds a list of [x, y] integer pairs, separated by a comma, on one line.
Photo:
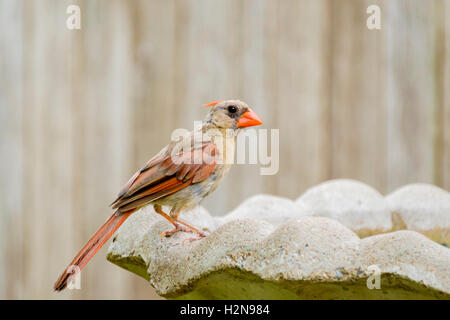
{"points": [[233, 283], [133, 264]]}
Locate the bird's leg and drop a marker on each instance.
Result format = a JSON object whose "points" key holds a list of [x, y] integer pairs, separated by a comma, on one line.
{"points": [[175, 213], [177, 228], [158, 209], [176, 223]]}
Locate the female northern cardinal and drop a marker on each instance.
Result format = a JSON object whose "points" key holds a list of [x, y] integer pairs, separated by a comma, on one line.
{"points": [[179, 176]]}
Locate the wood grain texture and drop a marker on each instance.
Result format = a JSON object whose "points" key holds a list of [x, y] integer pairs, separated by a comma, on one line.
{"points": [[11, 149], [357, 96], [411, 92], [81, 111], [444, 72], [301, 85]]}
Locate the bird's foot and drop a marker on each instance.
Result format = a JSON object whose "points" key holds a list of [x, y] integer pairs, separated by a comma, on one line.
{"points": [[179, 227], [192, 229], [174, 230]]}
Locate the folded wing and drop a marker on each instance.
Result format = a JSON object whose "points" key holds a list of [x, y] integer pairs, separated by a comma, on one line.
{"points": [[168, 172]]}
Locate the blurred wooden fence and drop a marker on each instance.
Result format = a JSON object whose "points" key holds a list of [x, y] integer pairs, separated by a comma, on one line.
{"points": [[82, 110]]}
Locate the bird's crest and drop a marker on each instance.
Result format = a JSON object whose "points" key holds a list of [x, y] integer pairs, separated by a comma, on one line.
{"points": [[213, 103]]}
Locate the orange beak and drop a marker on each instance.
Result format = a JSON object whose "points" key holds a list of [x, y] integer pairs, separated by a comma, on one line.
{"points": [[249, 119]]}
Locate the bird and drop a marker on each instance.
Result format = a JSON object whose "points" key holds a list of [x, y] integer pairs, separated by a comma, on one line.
{"points": [[180, 176]]}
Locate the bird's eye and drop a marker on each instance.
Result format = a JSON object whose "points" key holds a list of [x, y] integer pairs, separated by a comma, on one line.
{"points": [[232, 109]]}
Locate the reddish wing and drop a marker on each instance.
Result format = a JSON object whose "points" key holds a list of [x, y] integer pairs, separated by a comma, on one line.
{"points": [[165, 174]]}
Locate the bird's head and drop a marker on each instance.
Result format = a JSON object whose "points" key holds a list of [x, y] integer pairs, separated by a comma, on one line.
{"points": [[231, 114]]}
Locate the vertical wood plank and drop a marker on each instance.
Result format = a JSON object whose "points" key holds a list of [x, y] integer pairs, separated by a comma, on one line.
{"points": [[444, 68], [302, 99], [270, 93], [47, 148], [411, 97], [11, 170], [357, 95]]}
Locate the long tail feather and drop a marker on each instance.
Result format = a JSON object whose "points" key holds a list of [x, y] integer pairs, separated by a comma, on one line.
{"points": [[91, 247]]}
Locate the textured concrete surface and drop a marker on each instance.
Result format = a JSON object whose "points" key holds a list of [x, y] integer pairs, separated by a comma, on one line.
{"points": [[267, 249], [420, 207], [264, 207], [354, 204], [424, 208]]}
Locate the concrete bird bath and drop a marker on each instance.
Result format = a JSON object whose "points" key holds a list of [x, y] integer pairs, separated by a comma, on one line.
{"points": [[274, 248]]}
